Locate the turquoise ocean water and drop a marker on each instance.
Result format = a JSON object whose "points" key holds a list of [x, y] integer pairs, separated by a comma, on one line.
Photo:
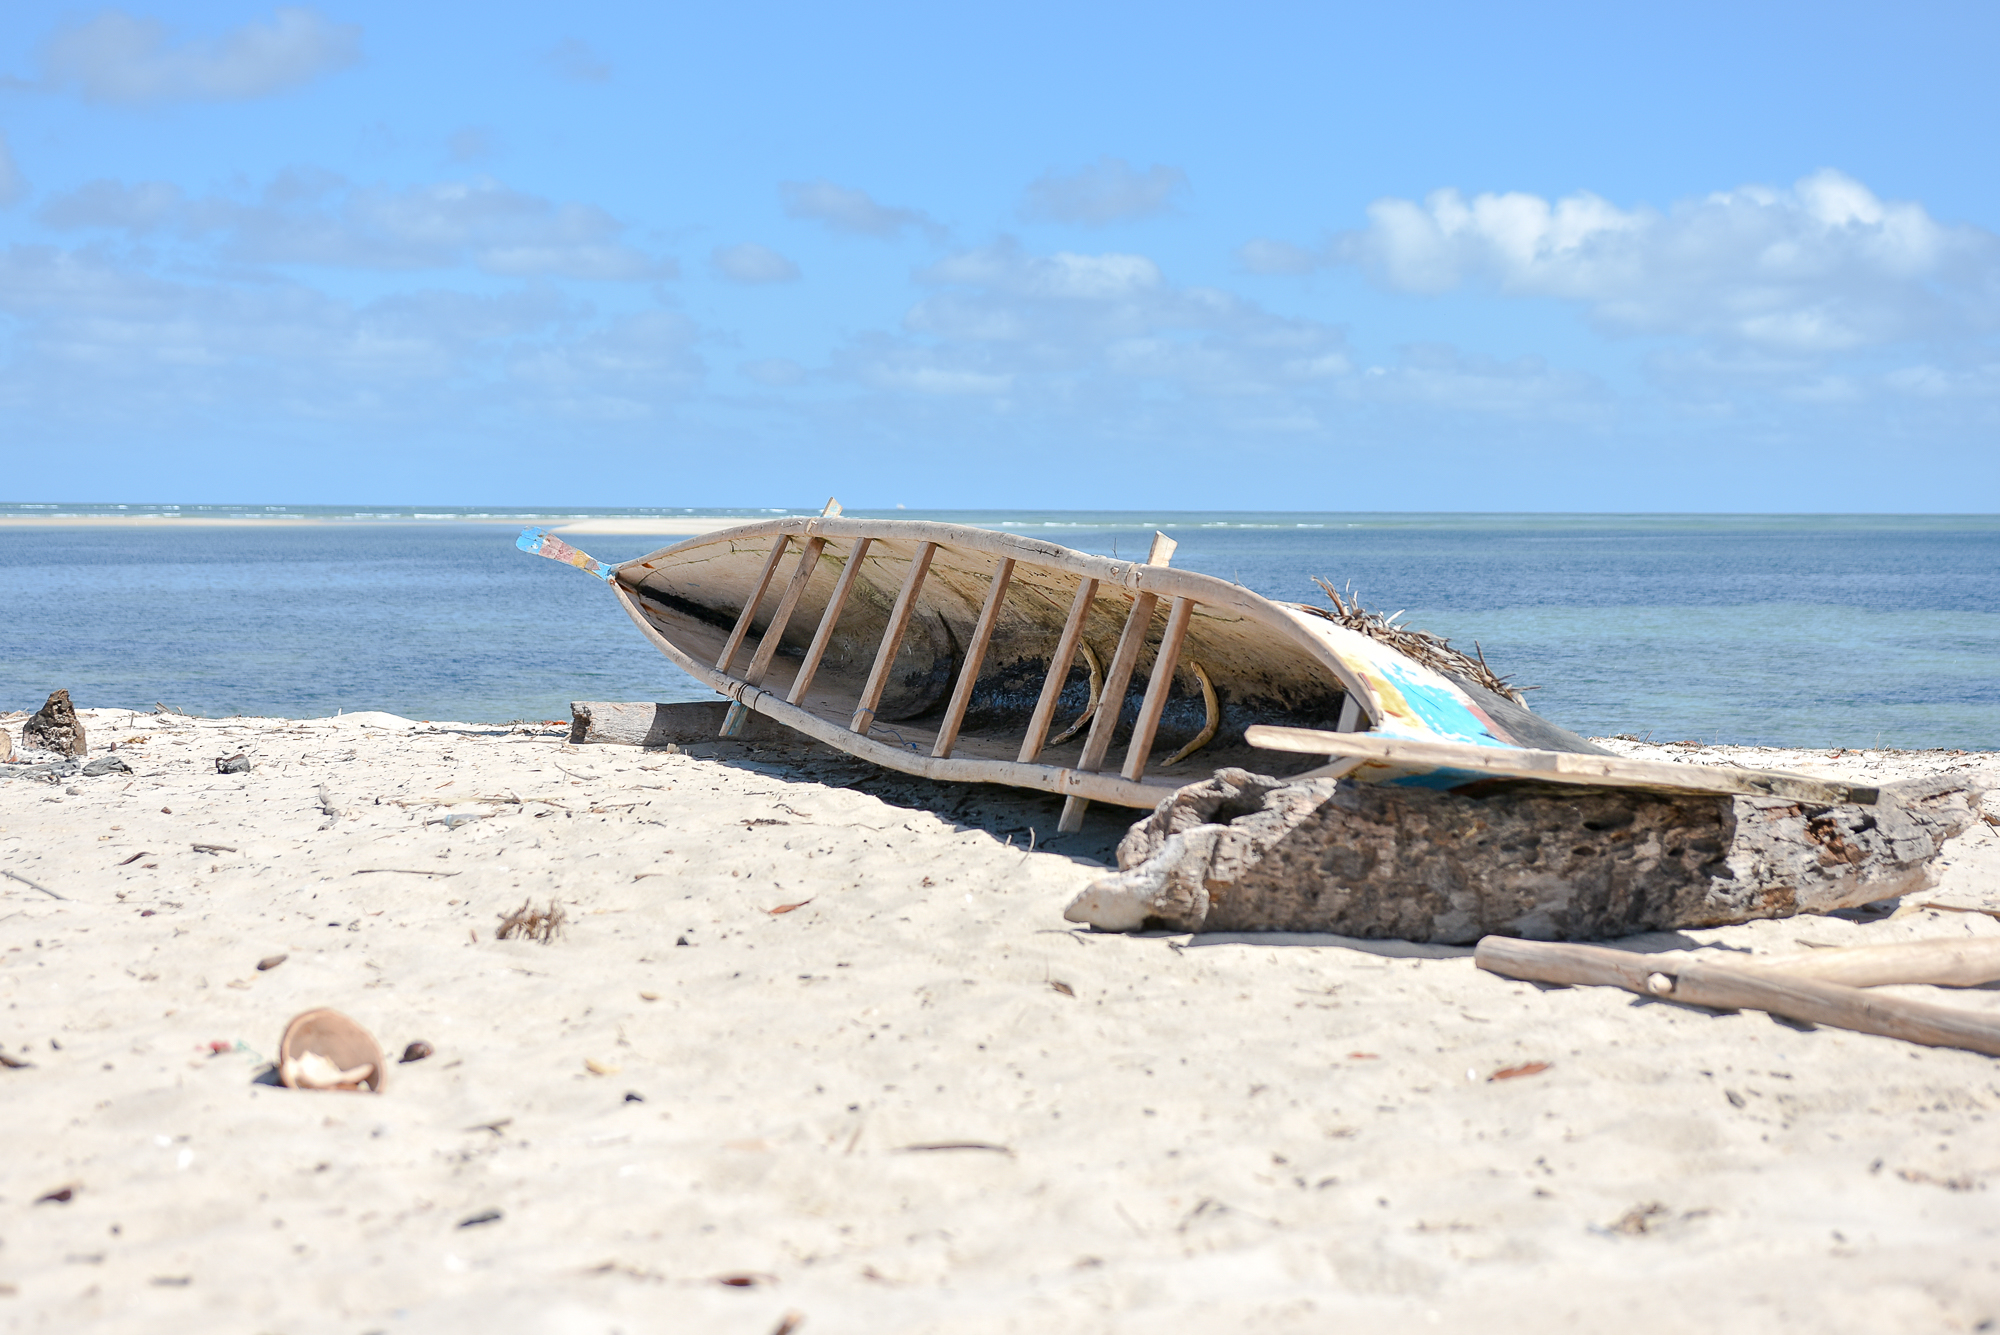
{"points": [[1782, 630]]}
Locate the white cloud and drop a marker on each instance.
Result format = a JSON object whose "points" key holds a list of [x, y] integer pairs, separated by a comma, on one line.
{"points": [[1264, 255], [117, 57], [1107, 191], [845, 209], [748, 262], [1824, 266], [1072, 329], [96, 339], [13, 185], [473, 143], [574, 60], [318, 218], [778, 372]]}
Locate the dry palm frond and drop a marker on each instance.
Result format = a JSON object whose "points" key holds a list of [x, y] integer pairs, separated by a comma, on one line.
{"points": [[533, 923], [1433, 651]]}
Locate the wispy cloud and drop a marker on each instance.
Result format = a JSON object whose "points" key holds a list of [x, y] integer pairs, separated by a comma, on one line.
{"points": [[119, 57], [748, 262], [1107, 191], [846, 209], [319, 218], [13, 185], [573, 59]]}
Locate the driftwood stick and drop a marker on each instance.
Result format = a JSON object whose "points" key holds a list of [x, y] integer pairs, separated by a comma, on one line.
{"points": [[16, 876], [1727, 987], [1966, 963]]}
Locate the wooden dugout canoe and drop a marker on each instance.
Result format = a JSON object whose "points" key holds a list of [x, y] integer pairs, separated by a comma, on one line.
{"points": [[971, 655]]}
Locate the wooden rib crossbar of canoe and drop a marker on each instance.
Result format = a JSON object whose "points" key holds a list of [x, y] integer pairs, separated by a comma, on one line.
{"points": [[969, 655]]}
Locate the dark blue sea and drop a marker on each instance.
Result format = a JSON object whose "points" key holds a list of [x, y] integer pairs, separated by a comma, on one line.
{"points": [[1851, 631]]}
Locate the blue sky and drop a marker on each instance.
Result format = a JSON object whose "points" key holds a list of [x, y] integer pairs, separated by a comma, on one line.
{"points": [[1420, 257]]}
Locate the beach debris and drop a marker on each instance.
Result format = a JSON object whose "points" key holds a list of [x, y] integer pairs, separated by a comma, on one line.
{"points": [[103, 765], [55, 727], [940, 1146], [400, 871], [13, 1063], [746, 1280], [1057, 985], [1639, 1219], [270, 962], [1246, 852], [33, 885], [789, 1323], [787, 908], [236, 764], [60, 1196], [135, 857], [6, 746], [213, 848], [1433, 651], [1516, 1072], [1776, 986], [323, 1049], [535, 924], [483, 1217], [596, 1067], [416, 1052]]}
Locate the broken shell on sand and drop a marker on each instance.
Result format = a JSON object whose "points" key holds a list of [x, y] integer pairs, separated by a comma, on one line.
{"points": [[323, 1049]]}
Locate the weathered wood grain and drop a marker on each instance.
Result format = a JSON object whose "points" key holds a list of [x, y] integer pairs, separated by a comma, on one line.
{"points": [[1244, 852]]}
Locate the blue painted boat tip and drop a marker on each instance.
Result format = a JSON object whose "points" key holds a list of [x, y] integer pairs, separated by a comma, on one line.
{"points": [[531, 539]]}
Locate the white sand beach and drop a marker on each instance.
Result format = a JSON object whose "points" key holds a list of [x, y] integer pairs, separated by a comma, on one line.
{"points": [[809, 1056]]}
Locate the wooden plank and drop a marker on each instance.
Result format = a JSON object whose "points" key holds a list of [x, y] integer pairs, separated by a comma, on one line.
{"points": [[828, 619], [1164, 661], [975, 655], [735, 641], [1559, 766], [1052, 685], [892, 639], [1117, 677], [781, 620], [1724, 987]]}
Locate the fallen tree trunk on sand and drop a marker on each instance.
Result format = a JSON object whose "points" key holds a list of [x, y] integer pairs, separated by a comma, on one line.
{"points": [[1245, 852]]}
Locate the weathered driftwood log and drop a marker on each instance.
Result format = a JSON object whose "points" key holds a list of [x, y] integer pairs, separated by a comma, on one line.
{"points": [[1725, 986], [1244, 852], [55, 727]]}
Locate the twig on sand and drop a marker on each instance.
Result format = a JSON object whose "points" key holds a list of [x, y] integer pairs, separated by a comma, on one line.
{"points": [[535, 924], [16, 876], [403, 871]]}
